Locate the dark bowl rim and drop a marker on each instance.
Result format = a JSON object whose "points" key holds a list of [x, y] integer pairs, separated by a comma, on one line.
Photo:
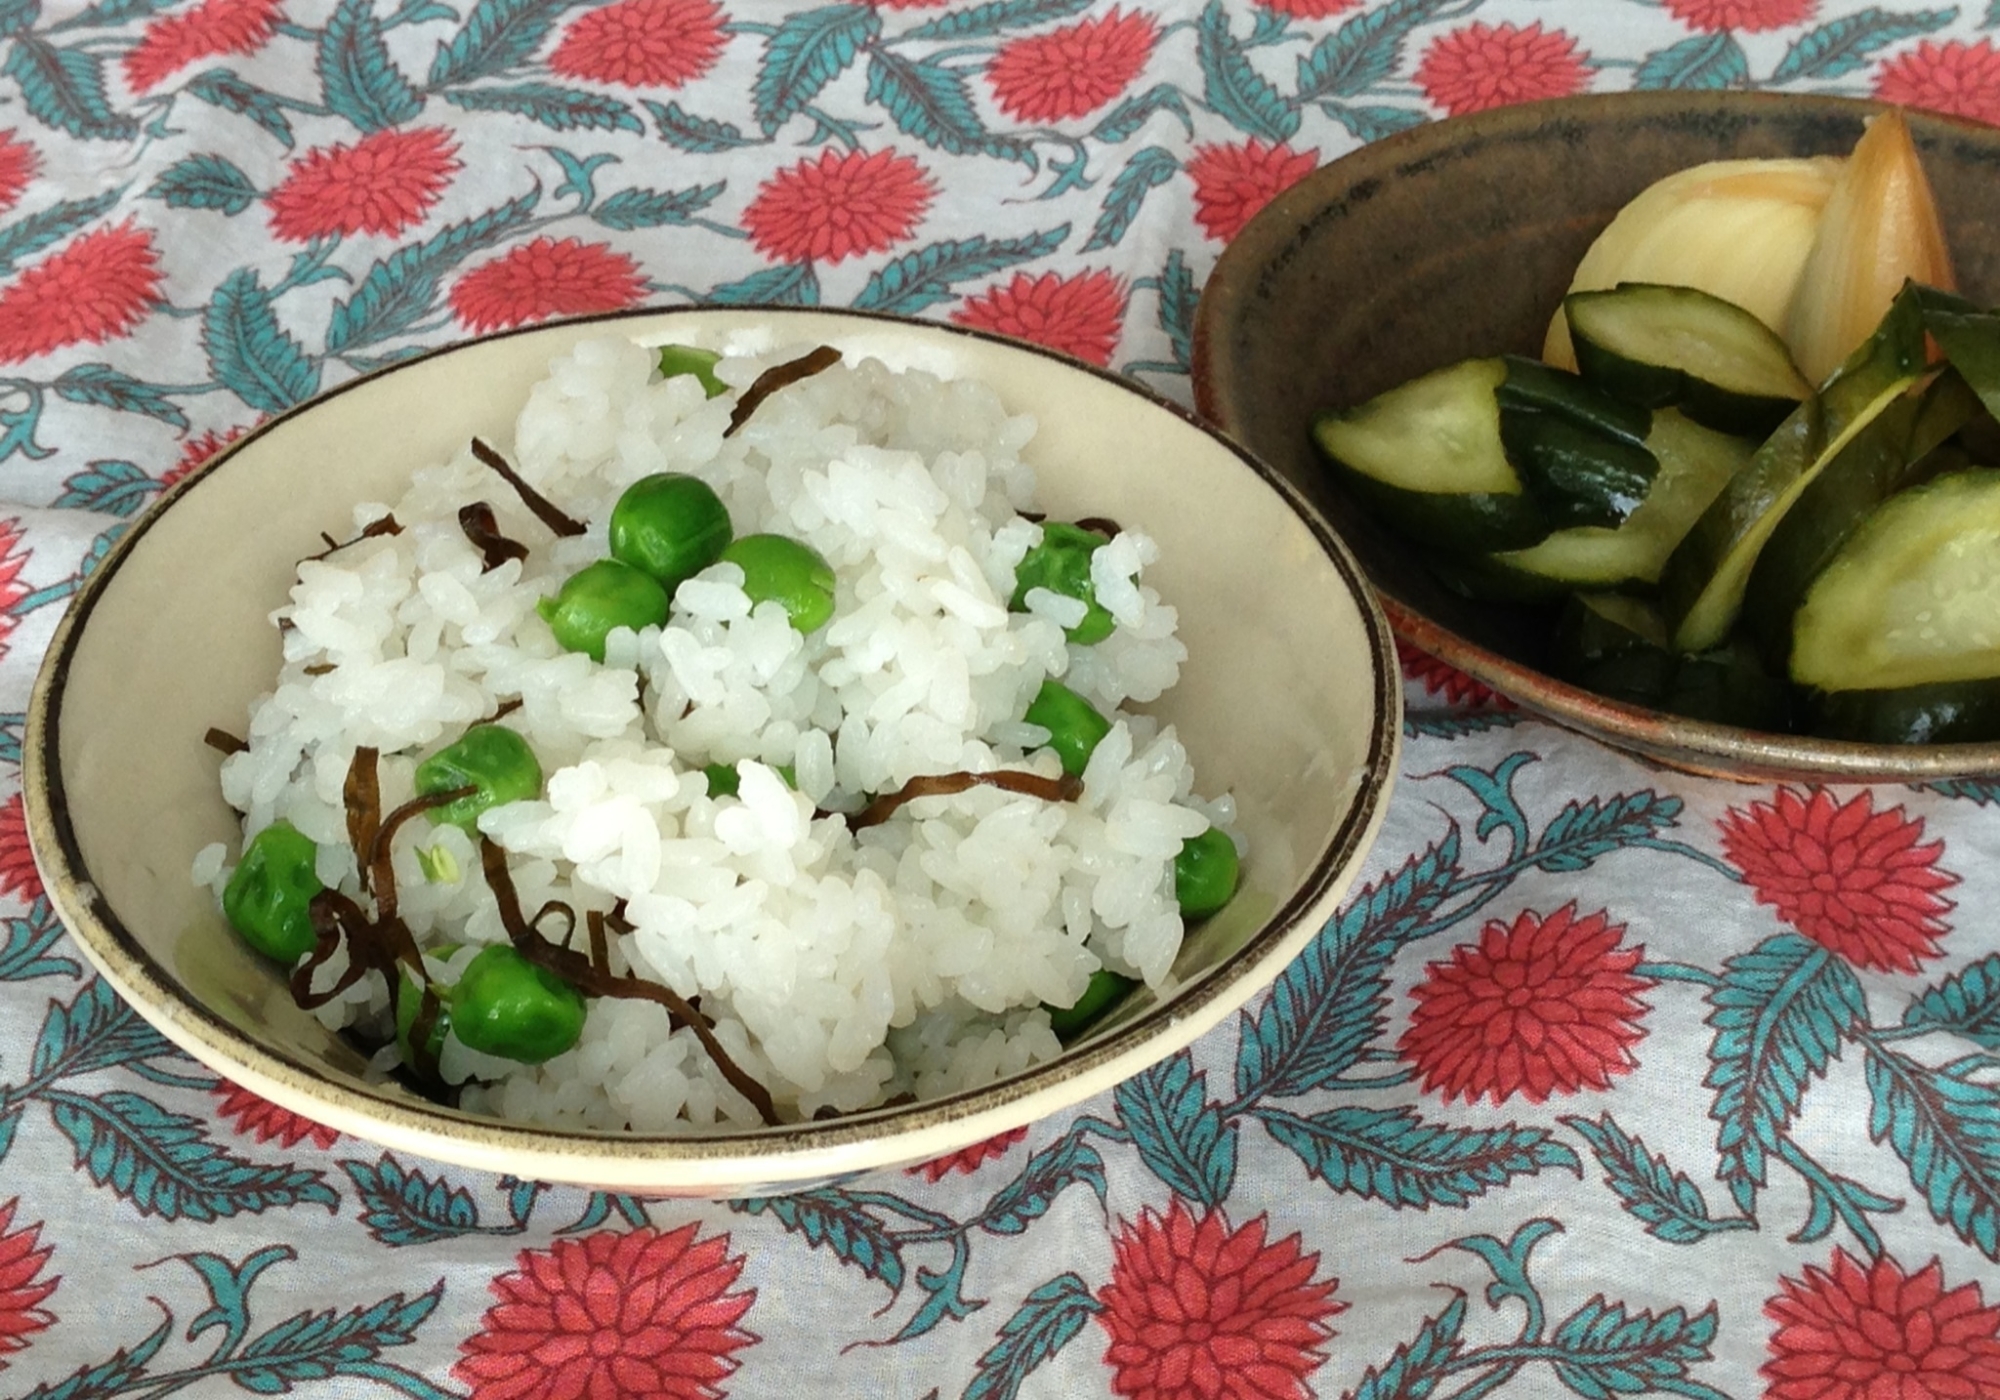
{"points": [[153, 990]]}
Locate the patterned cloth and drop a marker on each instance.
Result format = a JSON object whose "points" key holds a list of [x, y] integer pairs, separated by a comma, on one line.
{"points": [[1606, 1081]]}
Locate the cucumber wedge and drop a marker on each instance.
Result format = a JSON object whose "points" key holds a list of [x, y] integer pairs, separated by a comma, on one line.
{"points": [[1617, 646], [1428, 458], [1667, 346], [1913, 598], [1702, 585], [1695, 463], [1947, 712]]}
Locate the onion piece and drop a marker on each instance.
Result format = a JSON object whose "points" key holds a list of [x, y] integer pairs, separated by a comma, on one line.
{"points": [[1880, 229]]}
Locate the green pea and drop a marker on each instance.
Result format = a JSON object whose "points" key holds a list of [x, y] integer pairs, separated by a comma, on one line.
{"points": [[1205, 873], [1061, 564], [724, 780], [793, 574], [1104, 991], [489, 757], [1075, 727], [268, 899], [599, 597], [507, 1006], [669, 525], [687, 359]]}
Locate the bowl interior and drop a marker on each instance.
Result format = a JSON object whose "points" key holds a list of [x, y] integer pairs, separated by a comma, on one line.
{"points": [[1458, 239], [1296, 715]]}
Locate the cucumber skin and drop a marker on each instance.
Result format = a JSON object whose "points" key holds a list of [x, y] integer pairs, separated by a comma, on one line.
{"points": [[1943, 712], [1583, 477], [1476, 521]]}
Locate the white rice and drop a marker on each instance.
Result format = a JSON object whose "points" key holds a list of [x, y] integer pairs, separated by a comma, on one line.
{"points": [[839, 968]]}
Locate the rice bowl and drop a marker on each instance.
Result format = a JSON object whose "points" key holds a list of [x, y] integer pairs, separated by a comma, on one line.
{"points": [[1309, 773]]}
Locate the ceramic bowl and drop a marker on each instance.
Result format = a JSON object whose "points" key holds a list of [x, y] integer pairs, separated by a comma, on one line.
{"points": [[1298, 715], [1458, 239]]}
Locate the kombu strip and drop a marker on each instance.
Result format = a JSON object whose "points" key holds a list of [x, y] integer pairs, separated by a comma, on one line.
{"points": [[382, 525], [477, 521], [381, 868], [1100, 525], [946, 784], [223, 742], [778, 377], [361, 795], [545, 510], [593, 976]]}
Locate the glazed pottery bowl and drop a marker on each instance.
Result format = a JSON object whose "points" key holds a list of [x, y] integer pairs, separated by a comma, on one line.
{"points": [[1458, 239], [1297, 715]]}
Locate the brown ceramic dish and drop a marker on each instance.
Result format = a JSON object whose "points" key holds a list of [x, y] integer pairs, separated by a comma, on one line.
{"points": [[1458, 239], [1298, 716]]}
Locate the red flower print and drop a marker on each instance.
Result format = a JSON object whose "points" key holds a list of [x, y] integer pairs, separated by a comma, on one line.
{"points": [[1751, 15], [1869, 1331], [18, 875], [18, 163], [642, 43], [20, 1289], [1231, 183], [1850, 878], [1195, 1309], [843, 205], [95, 288], [212, 27], [1491, 65], [1547, 1006], [1073, 70], [1441, 678], [1308, 9], [548, 277], [968, 1159], [199, 449], [383, 183], [1956, 78], [256, 1116], [612, 1316], [1078, 315]]}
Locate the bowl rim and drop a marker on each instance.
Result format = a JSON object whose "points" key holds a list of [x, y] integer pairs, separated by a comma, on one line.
{"points": [[1699, 746], [735, 1160]]}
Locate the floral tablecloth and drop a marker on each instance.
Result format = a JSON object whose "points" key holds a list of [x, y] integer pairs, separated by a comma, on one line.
{"points": [[1606, 1081]]}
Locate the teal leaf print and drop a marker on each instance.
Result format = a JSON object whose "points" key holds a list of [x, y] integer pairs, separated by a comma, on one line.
{"points": [[1665, 1201], [98, 1030], [112, 487], [102, 386], [10, 1121], [27, 236], [19, 15], [558, 108], [361, 82], [808, 51], [1456, 724], [1414, 1369], [1181, 1134], [1392, 1155], [107, 13], [1364, 51], [250, 354], [204, 181], [789, 284], [1069, 1161], [24, 953], [1967, 1004], [934, 104], [640, 208], [399, 291], [828, 1218], [315, 1346], [1779, 1016], [1946, 1128], [1841, 46], [1178, 300], [1587, 831], [1601, 1350], [160, 1161], [220, 88], [64, 89], [1122, 122], [1705, 62], [1984, 791], [401, 1206], [496, 36], [1374, 123], [1047, 1320], [696, 135], [124, 1370], [929, 275], [1330, 1002], [1235, 90], [1147, 170], [986, 21]]}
